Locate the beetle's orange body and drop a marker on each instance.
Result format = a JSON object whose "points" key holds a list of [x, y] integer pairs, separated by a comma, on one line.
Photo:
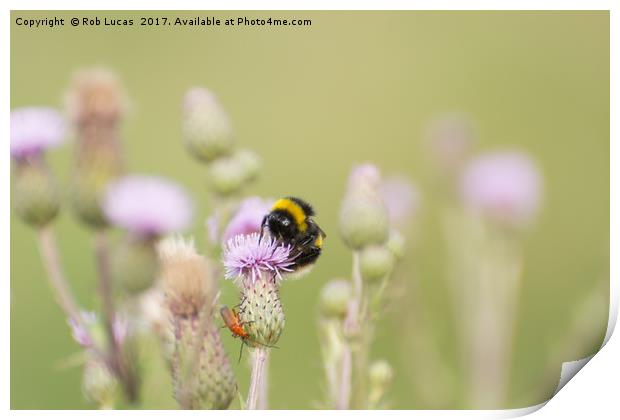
{"points": [[231, 320]]}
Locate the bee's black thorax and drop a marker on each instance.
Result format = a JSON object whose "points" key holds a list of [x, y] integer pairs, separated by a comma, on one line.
{"points": [[290, 222]]}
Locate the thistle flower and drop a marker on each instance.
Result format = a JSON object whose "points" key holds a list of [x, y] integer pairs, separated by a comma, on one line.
{"points": [[363, 214], [147, 207], [248, 259], [34, 130], [207, 130], [504, 187], [257, 267], [201, 371], [228, 174], [248, 217], [35, 193], [96, 103], [376, 262]]}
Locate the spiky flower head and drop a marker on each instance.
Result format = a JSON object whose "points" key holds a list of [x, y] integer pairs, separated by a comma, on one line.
{"points": [[257, 266], [96, 104], [248, 217], [249, 258], [188, 279], [147, 206], [207, 130], [504, 187], [201, 370], [34, 130]]}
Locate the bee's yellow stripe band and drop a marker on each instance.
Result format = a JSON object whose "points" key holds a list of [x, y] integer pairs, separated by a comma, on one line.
{"points": [[294, 210]]}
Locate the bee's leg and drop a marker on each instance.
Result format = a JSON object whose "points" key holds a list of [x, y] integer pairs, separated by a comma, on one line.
{"points": [[308, 256], [240, 351], [262, 228]]}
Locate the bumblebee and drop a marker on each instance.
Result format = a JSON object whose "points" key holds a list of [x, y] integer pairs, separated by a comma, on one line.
{"points": [[290, 223]]}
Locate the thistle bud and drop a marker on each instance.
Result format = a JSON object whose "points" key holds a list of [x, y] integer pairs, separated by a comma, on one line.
{"points": [[396, 244], [261, 312], [250, 163], [96, 104], [99, 385], [135, 265], [35, 195], [363, 215], [380, 374], [207, 130], [335, 297], [227, 175], [376, 262]]}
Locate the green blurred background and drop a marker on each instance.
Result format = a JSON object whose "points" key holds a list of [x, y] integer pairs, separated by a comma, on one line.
{"points": [[354, 86]]}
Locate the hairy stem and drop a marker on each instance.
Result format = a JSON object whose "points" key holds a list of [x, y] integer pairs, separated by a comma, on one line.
{"points": [[259, 365], [58, 282], [116, 357], [344, 394], [263, 391]]}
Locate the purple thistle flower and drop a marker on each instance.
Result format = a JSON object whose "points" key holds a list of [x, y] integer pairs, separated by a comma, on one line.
{"points": [[34, 130], [147, 206], [248, 217], [78, 330], [247, 259], [504, 186]]}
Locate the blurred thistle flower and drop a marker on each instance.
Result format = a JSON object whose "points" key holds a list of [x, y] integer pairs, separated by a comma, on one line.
{"points": [[504, 187], [187, 277], [257, 267], [90, 332], [248, 217], [207, 130], [402, 199], [450, 139], [36, 198], [96, 103], [363, 214], [202, 374], [248, 259], [147, 206], [35, 130]]}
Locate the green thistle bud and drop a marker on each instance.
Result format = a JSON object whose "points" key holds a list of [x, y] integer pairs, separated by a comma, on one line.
{"points": [[207, 130], [261, 312], [227, 175], [99, 385], [250, 162], [363, 215], [396, 244], [335, 297], [380, 374], [376, 262], [203, 377], [134, 264], [35, 194]]}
